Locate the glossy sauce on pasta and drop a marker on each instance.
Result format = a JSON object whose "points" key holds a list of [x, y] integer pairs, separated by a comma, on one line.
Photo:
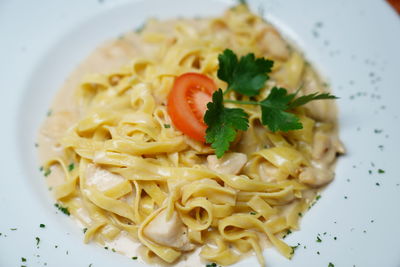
{"points": [[147, 190]]}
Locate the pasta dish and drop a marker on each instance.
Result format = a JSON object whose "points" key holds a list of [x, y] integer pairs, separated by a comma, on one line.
{"points": [[191, 140]]}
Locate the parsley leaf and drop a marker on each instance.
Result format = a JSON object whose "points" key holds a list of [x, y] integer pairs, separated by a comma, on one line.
{"points": [[273, 112], [274, 109], [223, 123], [246, 76], [302, 100]]}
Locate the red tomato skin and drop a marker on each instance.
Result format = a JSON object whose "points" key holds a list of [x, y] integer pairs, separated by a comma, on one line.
{"points": [[188, 91]]}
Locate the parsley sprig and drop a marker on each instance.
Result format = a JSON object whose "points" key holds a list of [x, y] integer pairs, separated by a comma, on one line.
{"points": [[223, 123], [247, 76]]}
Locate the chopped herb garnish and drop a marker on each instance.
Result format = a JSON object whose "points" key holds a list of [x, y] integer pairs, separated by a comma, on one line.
{"points": [[381, 171], [140, 28], [253, 212], [49, 113], [318, 197], [331, 264], [288, 232], [36, 145], [294, 248], [319, 240], [113, 250], [62, 209], [47, 172], [42, 225], [37, 241], [134, 258], [300, 214], [41, 168], [377, 184], [23, 259], [105, 247], [13, 229], [167, 126], [335, 238], [71, 167], [213, 264], [84, 230], [378, 131]]}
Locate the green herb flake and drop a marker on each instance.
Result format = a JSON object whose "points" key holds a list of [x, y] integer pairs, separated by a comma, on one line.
{"points": [[23, 259], [167, 126], [288, 232], [331, 264], [37, 241], [134, 258], [84, 230], [319, 240], [253, 212], [62, 209], [42, 225], [300, 214], [113, 250], [71, 167], [47, 172], [318, 197], [223, 124], [13, 229], [381, 171], [294, 248], [213, 264], [105, 247]]}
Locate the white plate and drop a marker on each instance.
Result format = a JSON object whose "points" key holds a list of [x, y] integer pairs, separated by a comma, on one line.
{"points": [[356, 46]]}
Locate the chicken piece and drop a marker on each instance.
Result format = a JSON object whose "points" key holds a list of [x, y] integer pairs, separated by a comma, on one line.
{"points": [[101, 178], [170, 233], [269, 173], [319, 110], [230, 163], [316, 177], [272, 44], [323, 149]]}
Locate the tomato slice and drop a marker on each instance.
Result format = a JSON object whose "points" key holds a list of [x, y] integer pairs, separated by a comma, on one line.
{"points": [[187, 103]]}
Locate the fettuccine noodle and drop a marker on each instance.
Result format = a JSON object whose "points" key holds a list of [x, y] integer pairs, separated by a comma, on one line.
{"points": [[121, 168]]}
